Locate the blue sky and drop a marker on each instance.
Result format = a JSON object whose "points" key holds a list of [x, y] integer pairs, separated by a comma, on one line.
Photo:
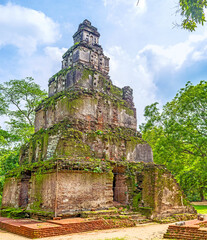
{"points": [[146, 52]]}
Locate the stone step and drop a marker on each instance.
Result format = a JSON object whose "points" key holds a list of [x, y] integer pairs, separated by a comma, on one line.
{"points": [[137, 216], [131, 213], [89, 214], [99, 213]]}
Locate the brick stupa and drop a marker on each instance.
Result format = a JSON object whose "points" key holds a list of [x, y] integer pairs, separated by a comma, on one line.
{"points": [[86, 152]]}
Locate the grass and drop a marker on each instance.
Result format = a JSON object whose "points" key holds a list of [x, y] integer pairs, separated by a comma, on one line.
{"points": [[115, 238], [202, 209]]}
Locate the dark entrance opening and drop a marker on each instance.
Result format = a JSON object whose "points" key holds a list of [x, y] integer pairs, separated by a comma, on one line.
{"points": [[24, 187], [119, 186], [114, 188]]}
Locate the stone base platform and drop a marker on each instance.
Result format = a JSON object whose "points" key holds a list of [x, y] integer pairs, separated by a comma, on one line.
{"points": [[36, 229], [193, 229]]}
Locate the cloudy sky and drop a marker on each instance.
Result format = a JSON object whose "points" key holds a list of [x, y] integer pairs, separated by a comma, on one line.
{"points": [[146, 51]]}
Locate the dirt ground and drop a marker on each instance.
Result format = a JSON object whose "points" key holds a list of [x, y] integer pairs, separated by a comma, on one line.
{"points": [[199, 203], [146, 232]]}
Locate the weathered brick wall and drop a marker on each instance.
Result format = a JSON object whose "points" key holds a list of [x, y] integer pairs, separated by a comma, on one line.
{"points": [[169, 198], [84, 191], [11, 193], [73, 144], [88, 108], [42, 192], [73, 190], [162, 193], [141, 153]]}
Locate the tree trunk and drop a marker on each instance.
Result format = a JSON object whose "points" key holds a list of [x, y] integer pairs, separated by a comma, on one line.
{"points": [[201, 194]]}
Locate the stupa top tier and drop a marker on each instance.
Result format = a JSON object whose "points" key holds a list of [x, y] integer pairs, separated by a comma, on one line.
{"points": [[85, 55], [86, 32], [85, 66], [86, 50]]}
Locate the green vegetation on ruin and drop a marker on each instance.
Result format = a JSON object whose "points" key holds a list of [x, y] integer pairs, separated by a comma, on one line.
{"points": [[62, 72], [76, 97], [134, 171], [87, 164], [76, 143], [70, 49], [86, 72], [109, 91], [116, 91], [18, 213]]}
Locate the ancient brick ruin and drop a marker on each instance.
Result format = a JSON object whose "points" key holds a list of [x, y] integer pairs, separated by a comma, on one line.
{"points": [[86, 153]]}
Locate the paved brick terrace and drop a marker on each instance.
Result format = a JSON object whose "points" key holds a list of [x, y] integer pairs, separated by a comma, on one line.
{"points": [[36, 229], [193, 229]]}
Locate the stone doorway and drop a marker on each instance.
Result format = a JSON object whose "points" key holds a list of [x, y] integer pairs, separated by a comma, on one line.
{"points": [[24, 188], [120, 189]]}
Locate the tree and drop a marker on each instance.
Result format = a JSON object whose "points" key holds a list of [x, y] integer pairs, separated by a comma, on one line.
{"points": [[18, 100], [178, 136], [193, 13]]}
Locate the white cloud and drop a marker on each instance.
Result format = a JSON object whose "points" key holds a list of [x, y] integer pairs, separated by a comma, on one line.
{"points": [[122, 12], [200, 55], [140, 6], [136, 4], [115, 2], [142, 71], [128, 71], [174, 54], [55, 53], [26, 28], [42, 67], [158, 57]]}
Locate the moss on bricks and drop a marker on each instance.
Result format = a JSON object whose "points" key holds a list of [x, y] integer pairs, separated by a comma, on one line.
{"points": [[86, 73], [116, 91]]}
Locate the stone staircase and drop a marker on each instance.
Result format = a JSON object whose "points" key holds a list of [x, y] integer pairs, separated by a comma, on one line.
{"points": [[137, 217]]}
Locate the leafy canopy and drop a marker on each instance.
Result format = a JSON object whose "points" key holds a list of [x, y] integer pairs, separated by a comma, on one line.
{"points": [[193, 13], [178, 136], [18, 100]]}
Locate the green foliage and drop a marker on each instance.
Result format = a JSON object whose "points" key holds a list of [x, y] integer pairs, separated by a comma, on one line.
{"points": [[193, 13], [202, 209], [18, 100], [178, 137]]}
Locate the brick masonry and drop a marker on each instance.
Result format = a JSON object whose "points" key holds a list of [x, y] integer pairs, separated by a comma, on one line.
{"points": [[84, 130], [190, 231], [36, 229]]}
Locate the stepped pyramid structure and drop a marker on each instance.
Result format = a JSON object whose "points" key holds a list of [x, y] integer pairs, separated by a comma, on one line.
{"points": [[86, 153]]}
